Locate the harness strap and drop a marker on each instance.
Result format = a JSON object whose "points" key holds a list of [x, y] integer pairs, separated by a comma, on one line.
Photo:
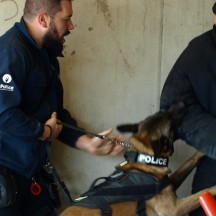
{"points": [[104, 207], [141, 210], [136, 190]]}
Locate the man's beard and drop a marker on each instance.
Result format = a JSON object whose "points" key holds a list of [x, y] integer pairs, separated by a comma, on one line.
{"points": [[53, 42]]}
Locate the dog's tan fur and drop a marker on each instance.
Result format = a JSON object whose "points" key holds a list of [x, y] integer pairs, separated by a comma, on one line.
{"points": [[165, 203]]}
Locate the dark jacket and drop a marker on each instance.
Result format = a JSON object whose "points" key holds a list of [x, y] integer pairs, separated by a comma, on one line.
{"points": [[193, 81], [30, 90]]}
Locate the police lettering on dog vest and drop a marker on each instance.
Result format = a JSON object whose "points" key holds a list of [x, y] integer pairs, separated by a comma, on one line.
{"points": [[143, 158]]}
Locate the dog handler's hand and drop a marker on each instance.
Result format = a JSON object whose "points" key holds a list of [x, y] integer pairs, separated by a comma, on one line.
{"points": [[99, 146], [51, 128]]}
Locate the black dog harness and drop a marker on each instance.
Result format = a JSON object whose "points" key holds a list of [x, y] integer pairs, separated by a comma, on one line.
{"points": [[120, 187]]}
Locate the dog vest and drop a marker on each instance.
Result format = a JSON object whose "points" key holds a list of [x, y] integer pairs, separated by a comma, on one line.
{"points": [[120, 187]]}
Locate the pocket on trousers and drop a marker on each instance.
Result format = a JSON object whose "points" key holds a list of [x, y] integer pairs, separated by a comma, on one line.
{"points": [[8, 189]]}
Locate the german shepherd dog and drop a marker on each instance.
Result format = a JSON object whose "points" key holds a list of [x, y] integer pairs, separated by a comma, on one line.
{"points": [[142, 184]]}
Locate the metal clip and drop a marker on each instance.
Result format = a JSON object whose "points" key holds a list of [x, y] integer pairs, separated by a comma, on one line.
{"points": [[118, 142]]}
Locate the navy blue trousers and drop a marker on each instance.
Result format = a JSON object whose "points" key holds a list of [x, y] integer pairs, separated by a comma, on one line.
{"points": [[204, 177], [26, 203]]}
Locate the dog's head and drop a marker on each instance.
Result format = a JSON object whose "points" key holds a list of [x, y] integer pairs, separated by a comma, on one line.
{"points": [[154, 135]]}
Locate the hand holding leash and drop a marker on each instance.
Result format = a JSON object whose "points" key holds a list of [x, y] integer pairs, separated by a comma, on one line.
{"points": [[100, 145], [52, 128], [111, 145], [117, 140]]}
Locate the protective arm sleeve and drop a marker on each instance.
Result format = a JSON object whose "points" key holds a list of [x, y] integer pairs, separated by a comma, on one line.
{"points": [[198, 127]]}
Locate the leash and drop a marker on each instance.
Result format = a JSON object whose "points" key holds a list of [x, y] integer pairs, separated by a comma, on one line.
{"points": [[104, 137], [49, 167]]}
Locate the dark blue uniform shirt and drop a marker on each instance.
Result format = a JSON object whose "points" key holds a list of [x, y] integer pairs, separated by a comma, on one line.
{"points": [[30, 90]]}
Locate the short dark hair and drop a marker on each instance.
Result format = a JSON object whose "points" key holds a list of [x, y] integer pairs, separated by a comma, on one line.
{"points": [[32, 7]]}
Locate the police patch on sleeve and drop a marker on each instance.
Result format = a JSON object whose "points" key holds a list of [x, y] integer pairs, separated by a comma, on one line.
{"points": [[5, 85]]}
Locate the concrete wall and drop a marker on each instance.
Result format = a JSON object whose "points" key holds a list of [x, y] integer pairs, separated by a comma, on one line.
{"points": [[116, 61]]}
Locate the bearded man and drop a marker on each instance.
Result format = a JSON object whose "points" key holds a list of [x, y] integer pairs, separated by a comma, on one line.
{"points": [[31, 107]]}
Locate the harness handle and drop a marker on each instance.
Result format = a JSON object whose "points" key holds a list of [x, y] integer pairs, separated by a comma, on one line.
{"points": [[92, 186]]}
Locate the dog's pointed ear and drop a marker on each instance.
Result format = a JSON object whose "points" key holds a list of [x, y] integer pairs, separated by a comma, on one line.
{"points": [[133, 128], [176, 113]]}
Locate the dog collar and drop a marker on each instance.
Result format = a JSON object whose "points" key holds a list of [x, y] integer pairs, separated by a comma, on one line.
{"points": [[146, 158], [149, 159]]}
